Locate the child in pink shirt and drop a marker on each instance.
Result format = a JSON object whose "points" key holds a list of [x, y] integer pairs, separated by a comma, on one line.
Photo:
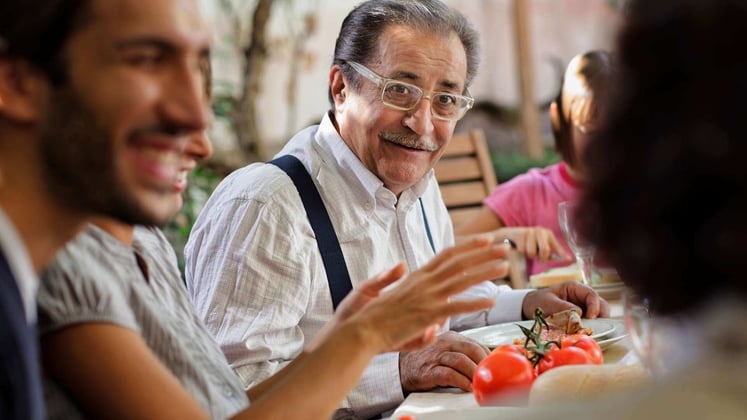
{"points": [[525, 209]]}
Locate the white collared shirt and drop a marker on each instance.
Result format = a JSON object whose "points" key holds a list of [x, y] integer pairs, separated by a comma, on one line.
{"points": [[20, 265], [256, 276]]}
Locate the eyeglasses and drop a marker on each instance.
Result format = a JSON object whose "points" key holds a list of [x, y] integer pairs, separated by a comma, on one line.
{"points": [[404, 96]]}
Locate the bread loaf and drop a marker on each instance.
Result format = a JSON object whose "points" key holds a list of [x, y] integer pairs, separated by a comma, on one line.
{"points": [[583, 382]]}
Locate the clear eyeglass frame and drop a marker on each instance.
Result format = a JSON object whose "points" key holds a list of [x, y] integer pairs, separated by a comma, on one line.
{"points": [[412, 95]]}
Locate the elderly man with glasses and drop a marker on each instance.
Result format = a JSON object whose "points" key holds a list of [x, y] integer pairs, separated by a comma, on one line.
{"points": [[271, 254]]}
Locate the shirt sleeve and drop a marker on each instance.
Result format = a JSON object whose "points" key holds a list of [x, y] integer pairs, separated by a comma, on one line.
{"points": [[507, 307], [245, 277], [71, 295], [509, 200], [257, 280]]}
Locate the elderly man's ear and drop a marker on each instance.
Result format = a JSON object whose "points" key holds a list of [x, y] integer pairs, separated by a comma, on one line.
{"points": [[23, 91], [338, 85]]}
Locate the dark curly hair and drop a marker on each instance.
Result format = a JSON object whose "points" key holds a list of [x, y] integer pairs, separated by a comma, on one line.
{"points": [[667, 193], [38, 30]]}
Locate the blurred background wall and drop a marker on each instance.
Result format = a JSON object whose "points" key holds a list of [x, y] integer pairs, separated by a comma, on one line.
{"points": [[299, 37]]}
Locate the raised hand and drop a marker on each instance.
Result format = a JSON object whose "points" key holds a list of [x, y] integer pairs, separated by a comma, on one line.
{"points": [[408, 315]]}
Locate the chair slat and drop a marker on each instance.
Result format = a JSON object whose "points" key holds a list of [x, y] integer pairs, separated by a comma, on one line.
{"points": [[458, 169], [463, 193]]}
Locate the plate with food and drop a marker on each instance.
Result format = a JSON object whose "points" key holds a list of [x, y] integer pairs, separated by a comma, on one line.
{"points": [[560, 324]]}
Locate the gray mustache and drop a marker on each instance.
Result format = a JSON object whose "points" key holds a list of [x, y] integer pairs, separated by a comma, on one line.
{"points": [[413, 142]]}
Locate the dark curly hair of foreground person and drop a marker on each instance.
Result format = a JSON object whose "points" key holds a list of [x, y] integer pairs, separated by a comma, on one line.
{"points": [[667, 193]]}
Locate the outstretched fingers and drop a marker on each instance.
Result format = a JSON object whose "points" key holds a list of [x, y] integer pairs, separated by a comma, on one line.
{"points": [[447, 255], [471, 268], [472, 260], [456, 307], [375, 285]]}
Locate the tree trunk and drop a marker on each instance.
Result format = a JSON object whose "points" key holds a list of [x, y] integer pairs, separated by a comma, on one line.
{"points": [[255, 56]]}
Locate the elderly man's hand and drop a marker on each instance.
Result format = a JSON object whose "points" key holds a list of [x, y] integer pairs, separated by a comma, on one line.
{"points": [[566, 296], [449, 362]]}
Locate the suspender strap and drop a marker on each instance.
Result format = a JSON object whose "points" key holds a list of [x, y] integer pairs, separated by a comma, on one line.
{"points": [[326, 239], [427, 228]]}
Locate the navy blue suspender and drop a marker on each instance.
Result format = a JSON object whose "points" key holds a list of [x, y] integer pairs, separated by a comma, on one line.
{"points": [[338, 276], [326, 239]]}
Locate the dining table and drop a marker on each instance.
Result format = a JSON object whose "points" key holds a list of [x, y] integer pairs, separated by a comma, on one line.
{"points": [[453, 403]]}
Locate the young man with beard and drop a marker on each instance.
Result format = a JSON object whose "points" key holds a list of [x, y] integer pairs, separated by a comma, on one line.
{"points": [[91, 122], [398, 84]]}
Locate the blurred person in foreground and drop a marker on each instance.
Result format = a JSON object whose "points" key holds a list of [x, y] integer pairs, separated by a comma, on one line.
{"points": [[397, 86], [667, 200], [87, 126], [120, 337]]}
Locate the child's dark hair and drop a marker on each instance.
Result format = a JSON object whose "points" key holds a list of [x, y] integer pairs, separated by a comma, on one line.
{"points": [[579, 100]]}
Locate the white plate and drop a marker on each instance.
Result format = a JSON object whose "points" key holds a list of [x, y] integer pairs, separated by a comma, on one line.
{"points": [[615, 336], [497, 335]]}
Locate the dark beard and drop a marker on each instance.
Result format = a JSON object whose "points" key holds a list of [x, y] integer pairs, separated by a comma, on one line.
{"points": [[79, 163]]}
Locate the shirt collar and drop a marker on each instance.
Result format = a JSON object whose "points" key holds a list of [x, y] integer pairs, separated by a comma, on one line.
{"points": [[333, 149]]}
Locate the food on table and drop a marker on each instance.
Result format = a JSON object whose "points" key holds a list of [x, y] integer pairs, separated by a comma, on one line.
{"points": [[504, 375], [509, 370], [555, 276], [557, 326], [571, 273], [568, 321], [574, 350], [586, 382]]}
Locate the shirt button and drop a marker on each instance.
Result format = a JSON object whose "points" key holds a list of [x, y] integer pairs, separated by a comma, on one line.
{"points": [[367, 206], [227, 391]]}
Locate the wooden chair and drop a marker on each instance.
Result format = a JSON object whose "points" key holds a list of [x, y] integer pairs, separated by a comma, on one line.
{"points": [[466, 176]]}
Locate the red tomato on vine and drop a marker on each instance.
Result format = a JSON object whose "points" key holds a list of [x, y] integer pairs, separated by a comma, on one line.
{"points": [[502, 374]]}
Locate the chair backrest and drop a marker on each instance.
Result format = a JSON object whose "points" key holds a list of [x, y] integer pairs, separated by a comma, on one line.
{"points": [[465, 175]]}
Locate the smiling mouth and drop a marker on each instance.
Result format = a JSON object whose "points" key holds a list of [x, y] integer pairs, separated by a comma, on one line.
{"points": [[409, 142]]}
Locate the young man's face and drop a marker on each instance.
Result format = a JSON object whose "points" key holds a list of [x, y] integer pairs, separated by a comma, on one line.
{"points": [[116, 136]]}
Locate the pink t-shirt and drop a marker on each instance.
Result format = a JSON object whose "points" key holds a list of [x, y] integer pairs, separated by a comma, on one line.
{"points": [[531, 199]]}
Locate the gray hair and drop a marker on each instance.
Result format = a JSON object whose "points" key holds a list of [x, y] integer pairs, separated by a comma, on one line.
{"points": [[361, 29]]}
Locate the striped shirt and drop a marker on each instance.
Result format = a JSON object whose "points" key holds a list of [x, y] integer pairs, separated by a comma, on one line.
{"points": [[256, 275], [96, 278]]}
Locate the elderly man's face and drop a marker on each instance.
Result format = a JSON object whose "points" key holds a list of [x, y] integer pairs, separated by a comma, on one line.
{"points": [[120, 136], [400, 147]]}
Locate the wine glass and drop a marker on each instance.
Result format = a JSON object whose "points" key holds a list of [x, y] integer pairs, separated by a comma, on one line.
{"points": [[639, 324], [582, 249], [661, 343]]}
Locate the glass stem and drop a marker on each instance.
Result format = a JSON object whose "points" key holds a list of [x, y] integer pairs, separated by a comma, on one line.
{"points": [[586, 265]]}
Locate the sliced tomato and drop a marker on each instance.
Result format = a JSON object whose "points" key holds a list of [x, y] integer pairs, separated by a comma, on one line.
{"points": [[503, 374]]}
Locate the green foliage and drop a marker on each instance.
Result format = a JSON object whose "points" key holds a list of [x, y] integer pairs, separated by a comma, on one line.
{"points": [[202, 182], [508, 165]]}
